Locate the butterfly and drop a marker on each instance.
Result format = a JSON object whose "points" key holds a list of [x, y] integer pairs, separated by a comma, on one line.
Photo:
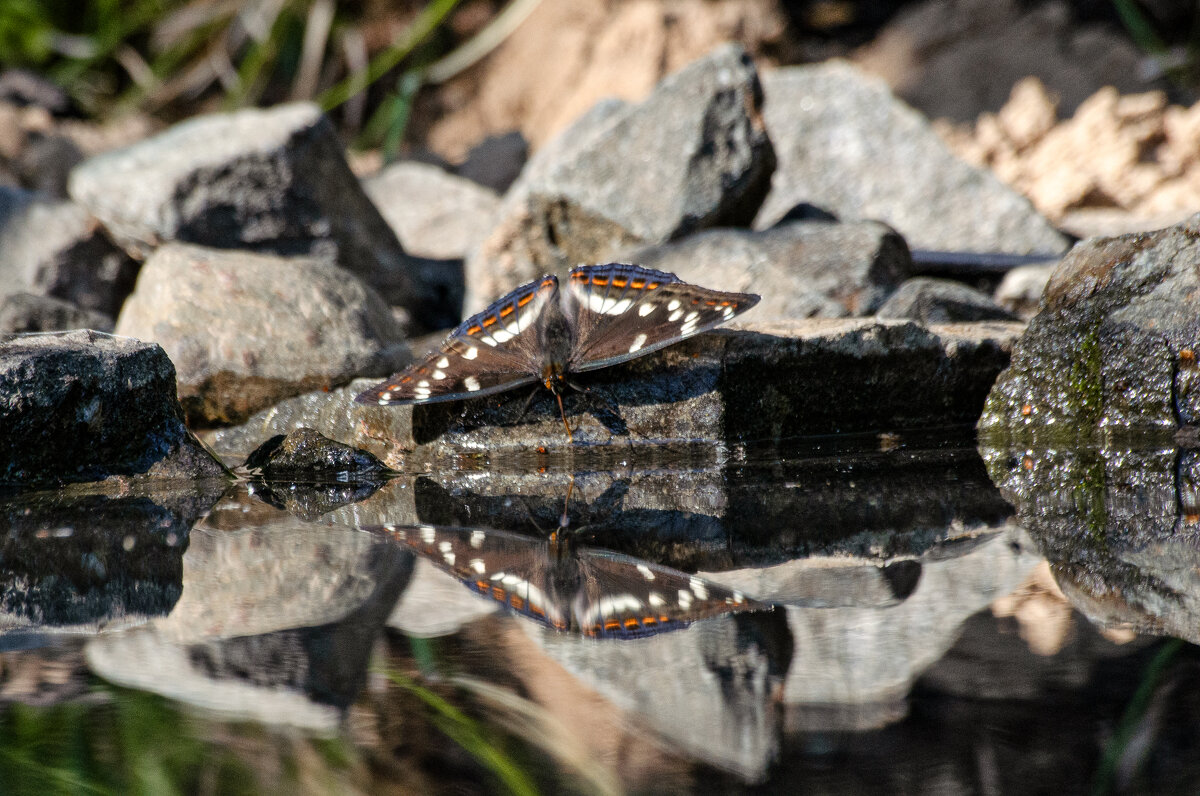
{"points": [[608, 314], [595, 592]]}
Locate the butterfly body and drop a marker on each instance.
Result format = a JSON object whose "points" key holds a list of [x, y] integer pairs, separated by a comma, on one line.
{"points": [[593, 592], [540, 333]]}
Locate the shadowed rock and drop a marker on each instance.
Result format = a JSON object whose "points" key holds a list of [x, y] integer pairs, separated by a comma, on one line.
{"points": [[29, 312], [718, 387], [692, 155], [269, 180], [246, 330], [942, 301], [83, 406]]}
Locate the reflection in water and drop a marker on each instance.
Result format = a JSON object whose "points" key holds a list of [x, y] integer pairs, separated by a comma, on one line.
{"points": [[917, 634], [597, 593]]}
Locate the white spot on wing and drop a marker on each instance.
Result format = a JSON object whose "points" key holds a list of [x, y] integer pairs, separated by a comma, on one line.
{"points": [[728, 312], [501, 336], [674, 305], [438, 375], [646, 572], [638, 342], [656, 600], [470, 353], [471, 383], [422, 384], [676, 315], [444, 362], [646, 309]]}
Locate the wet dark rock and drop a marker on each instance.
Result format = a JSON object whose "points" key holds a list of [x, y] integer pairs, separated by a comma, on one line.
{"points": [[693, 155], [846, 144], [496, 161], [84, 406], [433, 213], [802, 269], [274, 181], [29, 312], [931, 300], [58, 249], [312, 500], [305, 453], [246, 330], [91, 557], [1113, 349], [724, 386]]}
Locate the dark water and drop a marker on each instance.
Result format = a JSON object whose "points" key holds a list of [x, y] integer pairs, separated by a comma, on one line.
{"points": [[896, 615]]}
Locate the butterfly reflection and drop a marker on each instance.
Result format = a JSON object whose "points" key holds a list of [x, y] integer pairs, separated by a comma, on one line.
{"points": [[571, 588]]}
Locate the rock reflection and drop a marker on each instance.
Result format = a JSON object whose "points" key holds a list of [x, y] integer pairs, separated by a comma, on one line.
{"points": [[1120, 528]]}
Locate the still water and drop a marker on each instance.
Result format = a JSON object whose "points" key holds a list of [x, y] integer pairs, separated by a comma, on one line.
{"points": [[896, 615]]}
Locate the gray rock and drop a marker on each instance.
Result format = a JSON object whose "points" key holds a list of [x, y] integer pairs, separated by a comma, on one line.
{"points": [[270, 180], [931, 300], [433, 213], [84, 406], [802, 269], [692, 155], [496, 161], [246, 330], [846, 144], [1113, 349], [781, 380], [1020, 291], [29, 312], [58, 249]]}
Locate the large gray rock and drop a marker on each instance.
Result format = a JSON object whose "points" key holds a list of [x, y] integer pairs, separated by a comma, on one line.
{"points": [[1113, 349], [58, 249], [802, 269], [246, 330], [433, 213], [846, 144], [781, 380], [29, 312], [930, 300], [270, 180], [692, 155], [83, 406]]}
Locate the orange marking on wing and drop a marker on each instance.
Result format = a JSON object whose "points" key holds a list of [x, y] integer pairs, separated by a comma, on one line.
{"points": [[602, 281], [489, 320], [652, 286], [711, 303], [474, 330], [612, 625], [516, 602], [537, 609], [638, 284], [405, 379], [726, 303], [649, 620], [521, 302], [498, 593], [482, 585], [664, 618], [549, 281], [507, 310], [620, 282], [631, 623]]}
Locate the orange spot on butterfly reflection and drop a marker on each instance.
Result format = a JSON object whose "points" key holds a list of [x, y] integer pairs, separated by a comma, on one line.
{"points": [[498, 594], [516, 602], [631, 623], [612, 625]]}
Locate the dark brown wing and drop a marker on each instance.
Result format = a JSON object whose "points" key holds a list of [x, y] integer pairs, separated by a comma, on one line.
{"points": [[619, 312], [493, 351], [507, 568], [625, 597]]}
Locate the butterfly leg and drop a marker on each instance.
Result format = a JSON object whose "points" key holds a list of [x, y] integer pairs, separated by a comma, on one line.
{"points": [[528, 403], [562, 412]]}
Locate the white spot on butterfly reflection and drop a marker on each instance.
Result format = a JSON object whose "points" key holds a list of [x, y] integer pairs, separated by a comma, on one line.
{"points": [[470, 353], [478, 565], [472, 384], [428, 534], [685, 599], [646, 309], [438, 375], [699, 588], [638, 342], [646, 572], [477, 539], [444, 362], [656, 600]]}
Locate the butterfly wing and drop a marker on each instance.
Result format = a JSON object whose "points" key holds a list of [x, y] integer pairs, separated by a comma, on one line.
{"points": [[625, 597], [490, 352], [620, 312], [507, 568]]}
